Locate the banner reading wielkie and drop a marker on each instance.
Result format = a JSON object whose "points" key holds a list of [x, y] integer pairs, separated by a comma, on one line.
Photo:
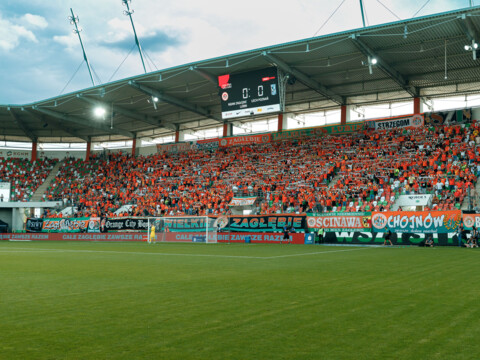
{"points": [[416, 221]]}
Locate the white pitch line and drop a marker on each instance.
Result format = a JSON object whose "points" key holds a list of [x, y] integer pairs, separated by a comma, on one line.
{"points": [[312, 253], [20, 250], [132, 252]]}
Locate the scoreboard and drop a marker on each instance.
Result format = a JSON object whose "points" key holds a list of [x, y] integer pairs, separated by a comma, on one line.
{"points": [[250, 93]]}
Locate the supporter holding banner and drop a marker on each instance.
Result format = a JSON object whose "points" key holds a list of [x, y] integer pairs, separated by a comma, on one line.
{"points": [[242, 201], [340, 221], [416, 221]]}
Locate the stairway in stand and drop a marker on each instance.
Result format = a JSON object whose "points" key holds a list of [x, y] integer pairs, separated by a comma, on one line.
{"points": [[38, 195]]}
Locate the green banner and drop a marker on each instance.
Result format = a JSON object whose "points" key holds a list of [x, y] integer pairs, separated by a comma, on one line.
{"points": [[306, 132]]}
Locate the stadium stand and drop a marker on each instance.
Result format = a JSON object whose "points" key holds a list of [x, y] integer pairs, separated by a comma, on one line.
{"points": [[364, 171], [25, 177]]}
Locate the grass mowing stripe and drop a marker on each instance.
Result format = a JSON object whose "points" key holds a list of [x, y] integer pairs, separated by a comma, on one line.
{"points": [[407, 303], [173, 254], [313, 253]]}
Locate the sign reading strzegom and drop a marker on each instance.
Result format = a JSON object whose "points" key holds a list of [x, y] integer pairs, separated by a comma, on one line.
{"points": [[416, 221], [400, 122]]}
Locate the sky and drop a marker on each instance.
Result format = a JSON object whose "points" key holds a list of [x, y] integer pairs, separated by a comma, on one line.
{"points": [[41, 57]]}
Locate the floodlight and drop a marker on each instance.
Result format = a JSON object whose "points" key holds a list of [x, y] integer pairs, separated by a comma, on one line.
{"points": [[99, 112], [155, 99], [473, 48], [373, 61]]}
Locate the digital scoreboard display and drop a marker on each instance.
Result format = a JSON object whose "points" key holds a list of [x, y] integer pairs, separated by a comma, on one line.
{"points": [[250, 93]]}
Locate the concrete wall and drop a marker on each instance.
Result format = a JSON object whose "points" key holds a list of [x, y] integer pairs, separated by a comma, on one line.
{"points": [[6, 216]]}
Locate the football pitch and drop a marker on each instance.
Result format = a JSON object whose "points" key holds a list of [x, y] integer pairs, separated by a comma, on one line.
{"points": [[70, 300]]}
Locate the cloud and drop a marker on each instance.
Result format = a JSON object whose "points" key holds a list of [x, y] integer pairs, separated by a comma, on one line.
{"points": [[157, 42], [35, 20], [68, 41], [11, 35]]}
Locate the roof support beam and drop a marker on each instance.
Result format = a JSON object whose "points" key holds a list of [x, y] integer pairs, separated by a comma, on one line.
{"points": [[304, 79], [22, 126], [83, 122], [58, 124], [385, 67], [125, 112], [173, 100], [468, 28], [205, 75]]}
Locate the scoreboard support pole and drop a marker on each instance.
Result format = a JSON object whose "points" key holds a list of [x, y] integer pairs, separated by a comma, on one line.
{"points": [[417, 105], [34, 151], [344, 114], [227, 129], [280, 122]]}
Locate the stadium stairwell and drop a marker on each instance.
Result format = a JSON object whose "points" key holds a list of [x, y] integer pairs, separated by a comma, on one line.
{"points": [[38, 195]]}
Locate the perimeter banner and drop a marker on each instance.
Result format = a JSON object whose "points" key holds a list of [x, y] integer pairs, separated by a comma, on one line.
{"points": [[340, 221], [471, 220], [416, 221], [123, 223], [372, 238], [91, 225], [34, 225], [264, 223], [65, 225]]}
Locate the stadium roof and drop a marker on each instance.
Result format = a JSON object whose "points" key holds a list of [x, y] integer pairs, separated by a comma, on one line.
{"points": [[421, 57]]}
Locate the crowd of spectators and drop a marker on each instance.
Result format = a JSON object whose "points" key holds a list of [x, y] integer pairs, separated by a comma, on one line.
{"points": [[24, 176], [364, 171]]}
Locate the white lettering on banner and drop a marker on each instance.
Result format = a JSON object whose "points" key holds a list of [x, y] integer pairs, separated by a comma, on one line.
{"points": [[438, 221], [344, 234], [333, 222], [416, 120], [415, 221]]}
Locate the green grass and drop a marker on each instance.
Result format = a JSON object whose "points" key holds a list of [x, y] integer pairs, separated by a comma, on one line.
{"points": [[195, 301]]}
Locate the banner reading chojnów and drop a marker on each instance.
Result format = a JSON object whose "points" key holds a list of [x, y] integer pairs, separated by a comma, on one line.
{"points": [[340, 221], [416, 221]]}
